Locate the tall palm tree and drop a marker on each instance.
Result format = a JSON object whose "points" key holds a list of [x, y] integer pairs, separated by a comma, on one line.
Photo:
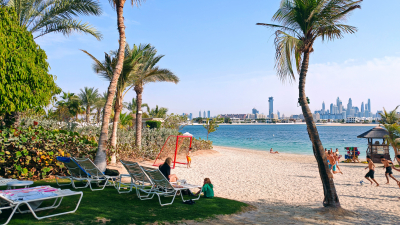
{"points": [[105, 69], [149, 72], [41, 17], [301, 22], [131, 106], [157, 112], [99, 105], [101, 156], [88, 97], [71, 102]]}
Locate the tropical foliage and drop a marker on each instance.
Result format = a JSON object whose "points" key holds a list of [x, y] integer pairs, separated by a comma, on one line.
{"points": [[211, 125], [391, 123], [24, 79], [153, 124], [41, 17], [300, 23], [31, 152], [89, 97]]}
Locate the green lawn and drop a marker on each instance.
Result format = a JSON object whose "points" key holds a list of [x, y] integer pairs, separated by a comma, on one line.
{"points": [[112, 208]]}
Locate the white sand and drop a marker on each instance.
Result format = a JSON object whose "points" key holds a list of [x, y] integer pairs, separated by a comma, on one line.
{"points": [[286, 188]]}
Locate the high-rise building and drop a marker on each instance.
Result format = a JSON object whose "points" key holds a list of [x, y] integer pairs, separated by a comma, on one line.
{"points": [[349, 107], [369, 105], [204, 114], [362, 107], [340, 107], [255, 111], [208, 114], [190, 116], [279, 115], [200, 113], [271, 106], [323, 108], [331, 108]]}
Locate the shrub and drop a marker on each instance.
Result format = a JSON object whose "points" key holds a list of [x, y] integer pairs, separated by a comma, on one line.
{"points": [[31, 152], [153, 124]]}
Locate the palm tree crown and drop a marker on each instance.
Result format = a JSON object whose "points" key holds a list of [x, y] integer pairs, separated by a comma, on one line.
{"points": [[302, 22], [41, 17], [88, 97]]}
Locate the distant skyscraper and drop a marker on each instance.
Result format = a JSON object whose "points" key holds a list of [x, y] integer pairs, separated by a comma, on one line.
{"points": [[271, 106], [323, 107], [349, 107], [208, 114], [369, 105], [190, 116], [204, 114], [331, 109], [279, 115], [255, 111], [199, 113], [362, 107]]}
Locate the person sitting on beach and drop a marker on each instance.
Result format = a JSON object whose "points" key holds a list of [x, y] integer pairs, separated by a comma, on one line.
{"points": [[165, 169], [388, 168], [207, 189], [371, 171], [188, 158], [272, 151]]}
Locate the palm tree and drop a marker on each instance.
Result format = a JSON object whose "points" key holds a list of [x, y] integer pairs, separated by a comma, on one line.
{"points": [[301, 23], [125, 120], [72, 103], [390, 122], [99, 105], [41, 17], [88, 97], [131, 106], [157, 112], [149, 72], [105, 69]]}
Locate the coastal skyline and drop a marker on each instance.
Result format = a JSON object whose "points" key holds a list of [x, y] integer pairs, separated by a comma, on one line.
{"points": [[344, 67]]}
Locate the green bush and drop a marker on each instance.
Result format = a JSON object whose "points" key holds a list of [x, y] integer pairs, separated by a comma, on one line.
{"points": [[30, 153], [153, 124]]}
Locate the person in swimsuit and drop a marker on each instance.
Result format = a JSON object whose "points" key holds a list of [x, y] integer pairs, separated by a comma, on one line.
{"points": [[388, 172], [335, 156], [272, 151], [370, 175], [189, 158], [331, 162], [398, 160]]}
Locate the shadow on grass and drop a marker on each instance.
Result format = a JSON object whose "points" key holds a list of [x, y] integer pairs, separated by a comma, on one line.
{"points": [[109, 207]]}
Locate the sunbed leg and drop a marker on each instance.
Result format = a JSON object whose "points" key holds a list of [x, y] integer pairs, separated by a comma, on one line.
{"points": [[159, 199], [11, 215], [63, 184]]}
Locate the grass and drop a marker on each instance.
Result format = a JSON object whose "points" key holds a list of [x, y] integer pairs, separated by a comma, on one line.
{"points": [[107, 206]]}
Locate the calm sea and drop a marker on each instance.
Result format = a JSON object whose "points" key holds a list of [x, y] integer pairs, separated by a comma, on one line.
{"points": [[283, 138]]}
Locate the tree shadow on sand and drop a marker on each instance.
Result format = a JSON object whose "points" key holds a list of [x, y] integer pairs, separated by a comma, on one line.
{"points": [[282, 213]]}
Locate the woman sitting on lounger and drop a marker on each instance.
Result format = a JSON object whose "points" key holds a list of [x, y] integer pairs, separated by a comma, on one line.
{"points": [[166, 170]]}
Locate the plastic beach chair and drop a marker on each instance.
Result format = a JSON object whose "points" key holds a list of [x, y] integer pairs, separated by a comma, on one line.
{"points": [[162, 187], [76, 171], [139, 179], [32, 197], [96, 176]]}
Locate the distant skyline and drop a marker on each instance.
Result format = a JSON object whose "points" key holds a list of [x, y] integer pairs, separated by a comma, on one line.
{"points": [[226, 62]]}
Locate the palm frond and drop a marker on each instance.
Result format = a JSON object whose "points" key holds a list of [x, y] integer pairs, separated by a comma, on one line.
{"points": [[286, 47]]}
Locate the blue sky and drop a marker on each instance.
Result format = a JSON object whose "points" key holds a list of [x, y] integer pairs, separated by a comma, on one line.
{"points": [[226, 63]]}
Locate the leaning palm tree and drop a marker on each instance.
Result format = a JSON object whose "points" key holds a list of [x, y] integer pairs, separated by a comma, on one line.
{"points": [[301, 22], [101, 156], [149, 72], [41, 17], [105, 70], [88, 97]]}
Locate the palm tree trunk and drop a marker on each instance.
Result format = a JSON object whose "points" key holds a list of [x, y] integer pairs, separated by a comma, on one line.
{"points": [[87, 113], [101, 156], [98, 115], [330, 196], [114, 135], [139, 90]]}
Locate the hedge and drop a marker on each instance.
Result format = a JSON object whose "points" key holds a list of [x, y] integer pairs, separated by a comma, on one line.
{"points": [[153, 124], [30, 153]]}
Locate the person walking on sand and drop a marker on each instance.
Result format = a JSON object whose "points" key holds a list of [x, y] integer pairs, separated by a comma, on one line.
{"points": [[370, 175], [388, 172], [189, 158], [336, 157], [398, 170], [272, 151], [331, 162]]}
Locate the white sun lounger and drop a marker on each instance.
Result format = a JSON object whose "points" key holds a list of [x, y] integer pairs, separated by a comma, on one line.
{"points": [[76, 171], [139, 179], [162, 187], [32, 198], [96, 176], [5, 181]]}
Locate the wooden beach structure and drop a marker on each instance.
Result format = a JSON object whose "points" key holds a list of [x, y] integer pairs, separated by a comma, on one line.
{"points": [[376, 149]]}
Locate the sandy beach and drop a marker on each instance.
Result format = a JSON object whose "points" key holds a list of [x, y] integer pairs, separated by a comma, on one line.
{"points": [[286, 188]]}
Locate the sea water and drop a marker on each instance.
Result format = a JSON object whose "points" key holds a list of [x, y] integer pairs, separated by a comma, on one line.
{"points": [[283, 138]]}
